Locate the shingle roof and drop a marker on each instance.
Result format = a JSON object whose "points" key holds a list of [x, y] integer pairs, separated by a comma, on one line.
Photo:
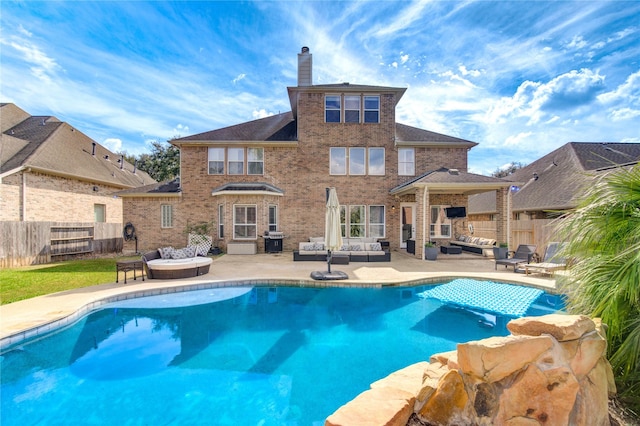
{"points": [[411, 134], [556, 181], [47, 145], [452, 181], [281, 127], [157, 188]]}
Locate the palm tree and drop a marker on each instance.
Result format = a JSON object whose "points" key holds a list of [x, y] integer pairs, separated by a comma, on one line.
{"points": [[603, 235]]}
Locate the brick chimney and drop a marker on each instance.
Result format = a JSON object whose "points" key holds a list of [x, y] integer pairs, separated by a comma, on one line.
{"points": [[304, 67]]}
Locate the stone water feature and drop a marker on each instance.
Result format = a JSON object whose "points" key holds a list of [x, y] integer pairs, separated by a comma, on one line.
{"points": [[551, 370]]}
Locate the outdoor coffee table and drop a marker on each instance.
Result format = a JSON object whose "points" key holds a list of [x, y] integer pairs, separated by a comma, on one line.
{"points": [[451, 249], [129, 265]]}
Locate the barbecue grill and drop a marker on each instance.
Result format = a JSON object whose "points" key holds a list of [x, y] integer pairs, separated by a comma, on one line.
{"points": [[273, 242]]}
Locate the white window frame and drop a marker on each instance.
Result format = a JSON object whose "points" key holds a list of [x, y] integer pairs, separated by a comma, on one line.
{"points": [[273, 217], [352, 103], [244, 222], [406, 167], [166, 216], [439, 222], [216, 159], [257, 162], [100, 209], [366, 110], [357, 153], [233, 161], [369, 168], [337, 166], [332, 108], [372, 224]]}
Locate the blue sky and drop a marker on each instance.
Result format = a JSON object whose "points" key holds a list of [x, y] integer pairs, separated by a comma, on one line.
{"points": [[521, 78]]}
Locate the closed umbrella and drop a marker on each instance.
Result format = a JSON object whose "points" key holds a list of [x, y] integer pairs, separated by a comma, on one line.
{"points": [[332, 237], [332, 233]]}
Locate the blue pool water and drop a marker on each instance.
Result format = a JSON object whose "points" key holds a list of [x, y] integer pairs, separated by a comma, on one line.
{"points": [[232, 356]]}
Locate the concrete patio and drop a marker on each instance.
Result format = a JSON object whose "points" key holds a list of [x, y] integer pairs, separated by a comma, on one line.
{"points": [[28, 318]]}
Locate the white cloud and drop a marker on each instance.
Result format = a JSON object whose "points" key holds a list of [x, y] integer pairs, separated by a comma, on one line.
{"points": [[113, 144], [518, 139], [577, 42], [262, 113], [239, 78], [404, 58]]}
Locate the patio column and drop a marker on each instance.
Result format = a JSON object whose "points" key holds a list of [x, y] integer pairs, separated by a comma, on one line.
{"points": [[422, 220], [503, 216]]}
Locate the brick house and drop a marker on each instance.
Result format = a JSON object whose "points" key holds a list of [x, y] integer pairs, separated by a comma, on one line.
{"points": [[393, 181], [50, 171]]}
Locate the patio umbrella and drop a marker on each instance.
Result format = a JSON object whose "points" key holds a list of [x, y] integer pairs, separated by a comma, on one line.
{"points": [[332, 233], [332, 237]]}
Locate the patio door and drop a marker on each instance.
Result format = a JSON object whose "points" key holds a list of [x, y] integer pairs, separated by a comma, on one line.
{"points": [[407, 223]]}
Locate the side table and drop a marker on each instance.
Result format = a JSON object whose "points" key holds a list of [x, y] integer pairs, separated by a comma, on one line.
{"points": [[129, 265]]}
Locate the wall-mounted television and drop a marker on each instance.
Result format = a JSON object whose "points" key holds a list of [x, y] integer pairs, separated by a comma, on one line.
{"points": [[456, 212]]}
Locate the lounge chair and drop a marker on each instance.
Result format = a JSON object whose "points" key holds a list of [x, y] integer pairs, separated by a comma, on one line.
{"points": [[550, 263], [523, 254]]}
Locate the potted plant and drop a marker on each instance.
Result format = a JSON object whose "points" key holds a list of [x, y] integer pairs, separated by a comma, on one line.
{"points": [[430, 251], [198, 236], [501, 251]]}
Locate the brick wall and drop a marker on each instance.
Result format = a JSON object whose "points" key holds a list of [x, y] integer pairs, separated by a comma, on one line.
{"points": [[53, 198], [302, 172]]}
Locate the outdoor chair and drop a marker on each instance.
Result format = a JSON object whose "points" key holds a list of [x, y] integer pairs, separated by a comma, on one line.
{"points": [[550, 263], [523, 254]]}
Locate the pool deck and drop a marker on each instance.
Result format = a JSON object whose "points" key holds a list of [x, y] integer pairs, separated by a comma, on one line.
{"points": [[32, 317]]}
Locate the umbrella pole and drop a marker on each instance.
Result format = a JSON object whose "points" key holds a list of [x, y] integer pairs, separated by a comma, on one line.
{"points": [[329, 260]]}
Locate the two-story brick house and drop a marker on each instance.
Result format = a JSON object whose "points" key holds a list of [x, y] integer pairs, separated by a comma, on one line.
{"points": [[393, 181]]}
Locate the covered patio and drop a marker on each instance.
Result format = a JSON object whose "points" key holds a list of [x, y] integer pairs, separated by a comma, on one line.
{"points": [[451, 187]]}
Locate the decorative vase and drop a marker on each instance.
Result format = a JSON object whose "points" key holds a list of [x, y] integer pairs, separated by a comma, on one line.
{"points": [[430, 253]]}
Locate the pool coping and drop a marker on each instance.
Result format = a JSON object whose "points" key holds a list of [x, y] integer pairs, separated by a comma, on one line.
{"points": [[28, 319]]}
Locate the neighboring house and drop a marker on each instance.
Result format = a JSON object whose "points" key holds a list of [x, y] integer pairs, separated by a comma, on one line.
{"points": [[546, 188], [393, 181], [50, 171], [555, 182]]}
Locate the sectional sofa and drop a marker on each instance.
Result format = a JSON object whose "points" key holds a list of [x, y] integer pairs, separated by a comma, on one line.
{"points": [[477, 245], [358, 250]]}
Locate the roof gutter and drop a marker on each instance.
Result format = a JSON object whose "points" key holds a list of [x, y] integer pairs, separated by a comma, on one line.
{"points": [[76, 177], [277, 144]]}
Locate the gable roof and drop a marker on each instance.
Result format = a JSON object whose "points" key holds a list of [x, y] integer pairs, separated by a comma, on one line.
{"points": [[556, 181], [276, 128], [47, 145], [451, 181], [282, 129], [167, 188]]}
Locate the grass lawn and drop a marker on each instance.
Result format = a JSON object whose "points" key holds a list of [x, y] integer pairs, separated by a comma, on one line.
{"points": [[31, 281]]}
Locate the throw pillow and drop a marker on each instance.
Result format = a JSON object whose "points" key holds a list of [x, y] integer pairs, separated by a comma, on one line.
{"points": [[190, 251], [344, 247], [179, 254], [309, 247], [318, 246], [166, 252], [355, 248], [375, 247]]}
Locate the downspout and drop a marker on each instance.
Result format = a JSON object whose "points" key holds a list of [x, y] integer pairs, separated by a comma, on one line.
{"points": [[509, 213], [424, 220], [24, 194]]}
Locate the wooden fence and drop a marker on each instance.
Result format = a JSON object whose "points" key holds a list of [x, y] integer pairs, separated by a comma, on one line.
{"points": [[536, 231], [32, 243]]}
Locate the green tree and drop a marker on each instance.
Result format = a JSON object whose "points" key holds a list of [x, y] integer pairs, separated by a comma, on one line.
{"points": [[163, 163], [603, 238], [508, 170]]}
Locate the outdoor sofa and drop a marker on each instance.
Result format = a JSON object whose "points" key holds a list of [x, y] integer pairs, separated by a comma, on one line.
{"points": [[477, 245], [357, 249], [169, 263]]}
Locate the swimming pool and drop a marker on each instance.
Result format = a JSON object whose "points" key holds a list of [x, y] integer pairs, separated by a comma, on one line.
{"points": [[231, 356]]}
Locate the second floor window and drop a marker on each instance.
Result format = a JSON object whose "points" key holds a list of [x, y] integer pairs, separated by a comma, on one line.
{"points": [[216, 161], [406, 162], [236, 161], [372, 109], [332, 108], [352, 109], [361, 161], [255, 161]]}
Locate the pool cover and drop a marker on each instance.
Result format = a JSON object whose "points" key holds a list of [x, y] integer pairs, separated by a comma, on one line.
{"points": [[488, 296]]}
